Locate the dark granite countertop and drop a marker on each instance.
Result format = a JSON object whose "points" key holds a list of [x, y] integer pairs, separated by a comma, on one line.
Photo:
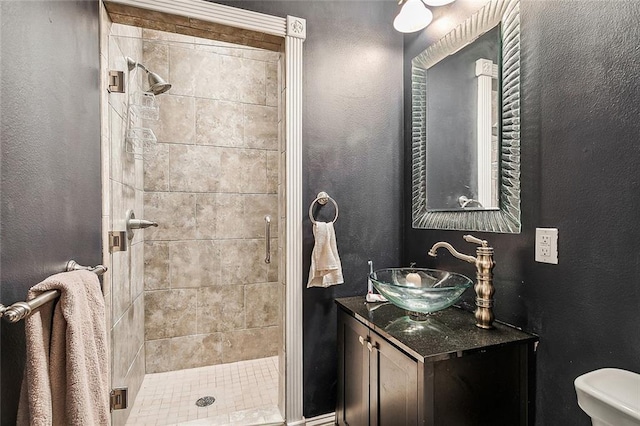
{"points": [[448, 333]]}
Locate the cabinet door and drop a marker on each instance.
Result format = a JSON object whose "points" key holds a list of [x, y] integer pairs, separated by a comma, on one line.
{"points": [[353, 372], [394, 385]]}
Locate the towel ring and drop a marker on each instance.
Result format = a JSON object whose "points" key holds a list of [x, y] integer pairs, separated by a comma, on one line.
{"points": [[322, 199]]}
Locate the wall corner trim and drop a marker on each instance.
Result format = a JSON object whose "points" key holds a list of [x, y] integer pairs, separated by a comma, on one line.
{"points": [[296, 27]]}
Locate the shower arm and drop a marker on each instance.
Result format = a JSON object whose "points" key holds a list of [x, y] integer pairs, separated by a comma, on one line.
{"points": [[131, 64]]}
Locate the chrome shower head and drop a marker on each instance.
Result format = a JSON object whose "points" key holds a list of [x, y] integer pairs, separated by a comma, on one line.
{"points": [[157, 84]]}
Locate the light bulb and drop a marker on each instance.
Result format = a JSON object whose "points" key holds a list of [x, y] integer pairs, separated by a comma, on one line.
{"points": [[413, 17]]}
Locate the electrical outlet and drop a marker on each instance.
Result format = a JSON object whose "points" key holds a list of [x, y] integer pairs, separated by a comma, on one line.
{"points": [[547, 245]]}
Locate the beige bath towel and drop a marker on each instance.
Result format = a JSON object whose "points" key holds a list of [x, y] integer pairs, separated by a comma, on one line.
{"points": [[326, 269], [66, 374]]}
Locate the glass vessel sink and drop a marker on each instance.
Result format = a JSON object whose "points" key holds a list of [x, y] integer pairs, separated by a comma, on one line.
{"points": [[420, 291]]}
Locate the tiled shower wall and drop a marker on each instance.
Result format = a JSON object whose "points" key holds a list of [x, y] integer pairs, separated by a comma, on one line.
{"points": [[122, 190], [210, 298]]}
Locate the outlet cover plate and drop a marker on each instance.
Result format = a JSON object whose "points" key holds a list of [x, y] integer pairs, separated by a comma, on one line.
{"points": [[547, 245]]}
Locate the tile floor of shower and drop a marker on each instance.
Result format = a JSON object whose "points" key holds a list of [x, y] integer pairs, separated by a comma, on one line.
{"points": [[245, 392]]}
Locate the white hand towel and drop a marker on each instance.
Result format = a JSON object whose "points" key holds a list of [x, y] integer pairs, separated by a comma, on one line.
{"points": [[326, 269]]}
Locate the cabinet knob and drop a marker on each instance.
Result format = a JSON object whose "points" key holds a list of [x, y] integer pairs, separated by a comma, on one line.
{"points": [[371, 346], [362, 340]]}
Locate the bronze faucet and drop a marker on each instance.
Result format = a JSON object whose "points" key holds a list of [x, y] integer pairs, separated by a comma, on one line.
{"points": [[484, 274]]}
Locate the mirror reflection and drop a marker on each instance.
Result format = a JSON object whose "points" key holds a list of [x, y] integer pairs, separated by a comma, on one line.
{"points": [[462, 127], [466, 125]]}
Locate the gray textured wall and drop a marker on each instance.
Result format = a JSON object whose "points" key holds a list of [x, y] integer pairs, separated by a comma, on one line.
{"points": [[580, 103], [50, 147]]}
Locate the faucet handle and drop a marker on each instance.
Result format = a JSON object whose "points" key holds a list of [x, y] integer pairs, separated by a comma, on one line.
{"points": [[472, 239]]}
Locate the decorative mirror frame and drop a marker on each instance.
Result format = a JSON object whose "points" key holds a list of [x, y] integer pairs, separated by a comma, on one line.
{"points": [[507, 218]]}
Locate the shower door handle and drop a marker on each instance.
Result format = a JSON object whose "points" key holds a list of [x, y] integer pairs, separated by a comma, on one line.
{"points": [[267, 239]]}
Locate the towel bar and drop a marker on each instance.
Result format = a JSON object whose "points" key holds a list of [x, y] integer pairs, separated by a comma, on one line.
{"points": [[322, 199], [21, 310]]}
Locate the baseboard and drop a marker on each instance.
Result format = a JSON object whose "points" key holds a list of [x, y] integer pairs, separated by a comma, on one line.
{"points": [[323, 420]]}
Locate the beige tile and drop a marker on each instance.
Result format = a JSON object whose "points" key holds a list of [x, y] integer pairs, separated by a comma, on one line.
{"points": [[242, 261], [175, 214], [128, 338], [170, 313], [126, 31], [262, 304], [272, 89], [233, 79], [155, 56], [195, 168], [206, 216], [120, 291], [194, 263], [117, 152], [149, 34], [138, 208], [132, 382], [259, 54], [241, 80], [128, 168], [216, 169], [250, 344], [219, 123], [119, 350], [158, 356], [221, 308], [220, 215], [156, 169], [272, 268], [177, 119], [196, 351], [229, 216], [136, 273], [243, 171], [261, 126], [156, 265], [256, 207], [192, 71], [139, 178], [220, 48], [282, 131], [117, 214], [273, 171], [135, 338]]}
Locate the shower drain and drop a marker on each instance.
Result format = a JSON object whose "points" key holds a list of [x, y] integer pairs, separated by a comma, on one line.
{"points": [[205, 401]]}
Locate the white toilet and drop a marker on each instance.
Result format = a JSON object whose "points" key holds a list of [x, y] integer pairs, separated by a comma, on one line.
{"points": [[610, 396]]}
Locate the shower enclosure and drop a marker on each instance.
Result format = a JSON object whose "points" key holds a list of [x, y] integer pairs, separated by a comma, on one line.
{"points": [[194, 304]]}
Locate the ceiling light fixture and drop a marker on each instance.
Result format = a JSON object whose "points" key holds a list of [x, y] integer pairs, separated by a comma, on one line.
{"points": [[437, 2], [414, 14]]}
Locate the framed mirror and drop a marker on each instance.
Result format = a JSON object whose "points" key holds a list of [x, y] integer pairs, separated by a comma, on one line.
{"points": [[466, 125]]}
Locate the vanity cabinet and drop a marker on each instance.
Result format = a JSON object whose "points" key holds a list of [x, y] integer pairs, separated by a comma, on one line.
{"points": [[443, 371], [383, 381]]}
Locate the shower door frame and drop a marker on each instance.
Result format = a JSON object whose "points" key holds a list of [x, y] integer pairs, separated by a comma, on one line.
{"points": [[293, 31]]}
